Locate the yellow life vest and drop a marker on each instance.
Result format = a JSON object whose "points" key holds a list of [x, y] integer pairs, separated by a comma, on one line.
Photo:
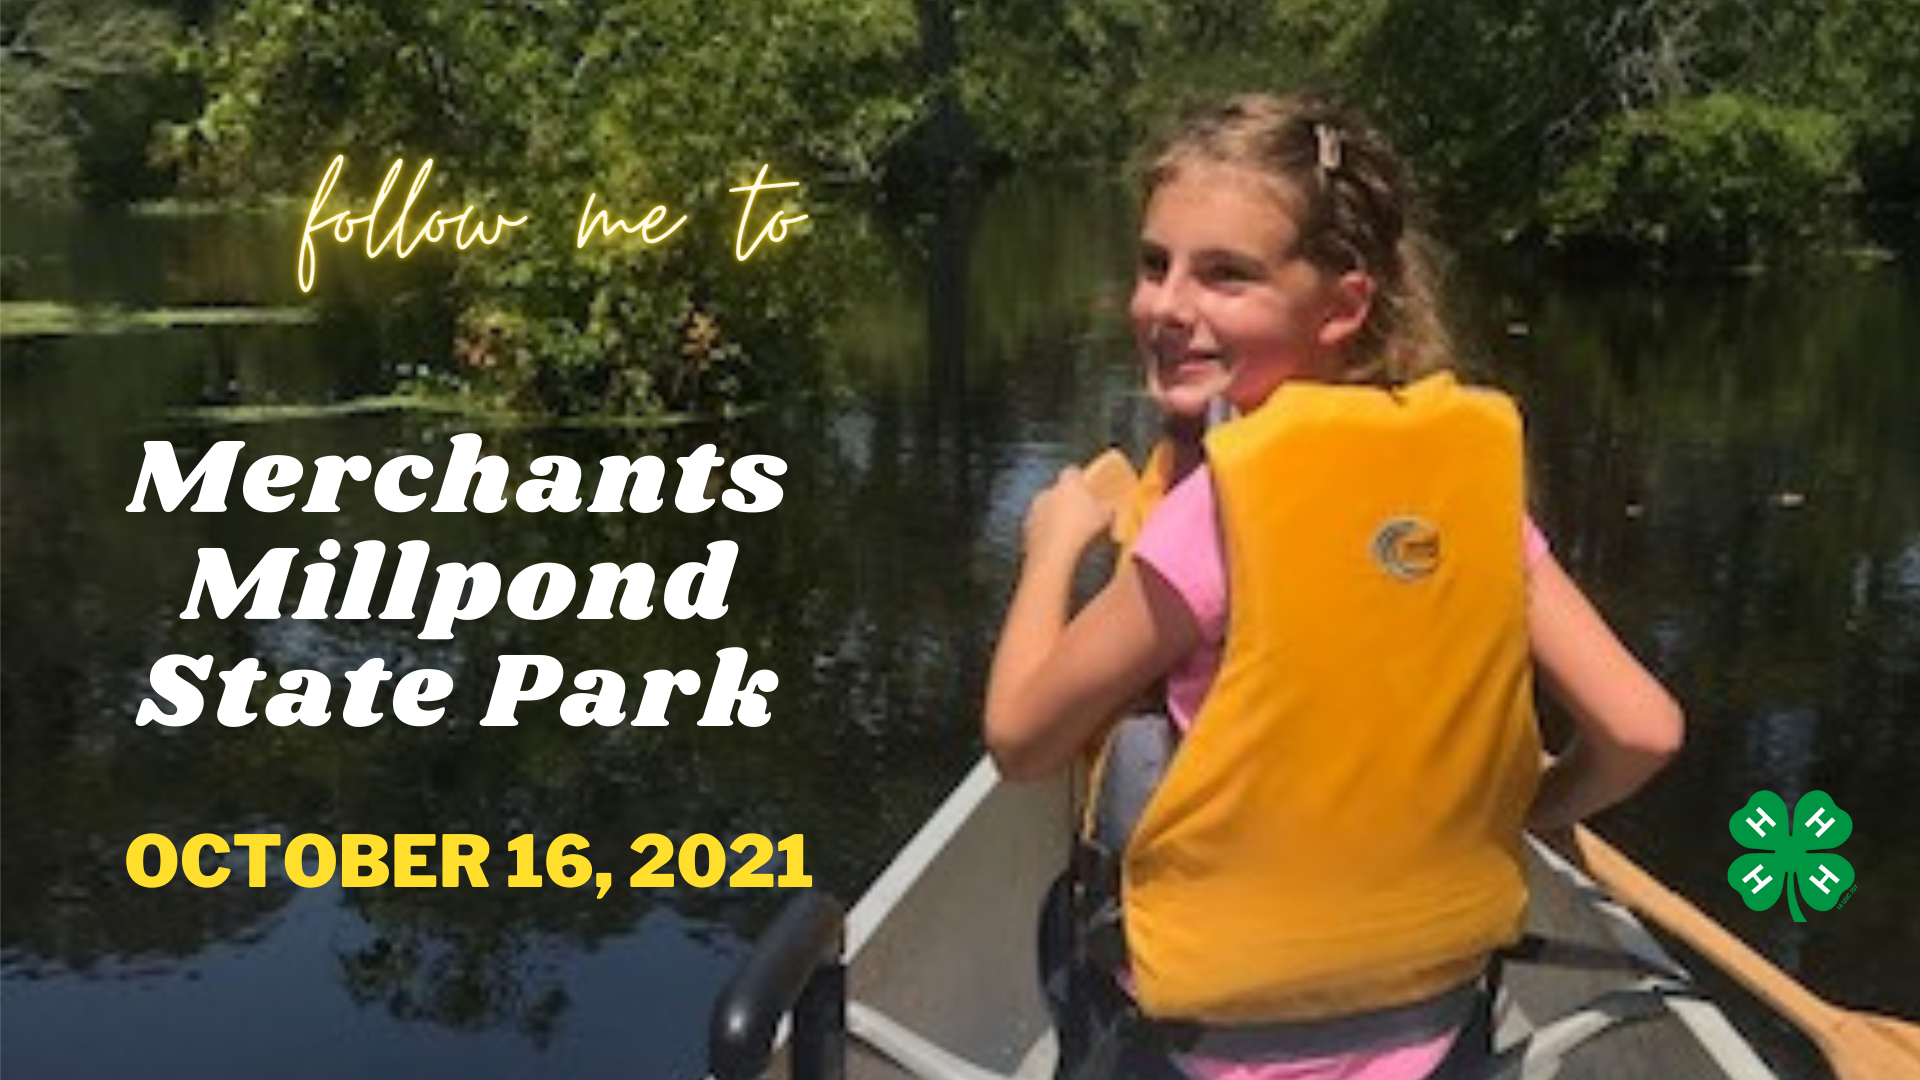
{"points": [[1341, 830]]}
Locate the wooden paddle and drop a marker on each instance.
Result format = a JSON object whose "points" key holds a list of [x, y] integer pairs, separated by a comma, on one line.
{"points": [[1859, 1046], [1111, 476]]}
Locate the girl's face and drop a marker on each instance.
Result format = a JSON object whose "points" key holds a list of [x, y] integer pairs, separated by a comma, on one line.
{"points": [[1224, 304]]}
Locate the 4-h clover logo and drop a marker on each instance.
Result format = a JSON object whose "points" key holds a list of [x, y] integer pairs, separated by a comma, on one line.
{"points": [[1791, 846]]}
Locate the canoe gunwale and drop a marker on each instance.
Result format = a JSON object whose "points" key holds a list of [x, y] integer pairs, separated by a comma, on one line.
{"points": [[1711, 1030], [933, 910]]}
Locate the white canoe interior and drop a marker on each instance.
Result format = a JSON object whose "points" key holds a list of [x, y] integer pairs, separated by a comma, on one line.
{"points": [[943, 984]]}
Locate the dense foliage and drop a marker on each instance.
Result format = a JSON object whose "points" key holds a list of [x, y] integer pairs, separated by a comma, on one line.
{"points": [[1710, 131], [1718, 175], [526, 109], [1690, 130], [81, 86]]}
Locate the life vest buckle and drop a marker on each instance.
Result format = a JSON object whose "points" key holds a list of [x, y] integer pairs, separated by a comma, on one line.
{"points": [[1101, 938]]}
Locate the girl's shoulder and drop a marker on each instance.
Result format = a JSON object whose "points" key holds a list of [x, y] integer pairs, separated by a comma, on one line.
{"points": [[1181, 544], [1187, 505], [1534, 542]]}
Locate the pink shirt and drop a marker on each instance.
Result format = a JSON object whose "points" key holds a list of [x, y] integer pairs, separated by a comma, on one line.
{"points": [[1180, 543]]}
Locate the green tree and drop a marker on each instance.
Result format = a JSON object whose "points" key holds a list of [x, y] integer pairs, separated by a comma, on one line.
{"points": [[528, 108], [75, 80], [1720, 175], [1713, 130]]}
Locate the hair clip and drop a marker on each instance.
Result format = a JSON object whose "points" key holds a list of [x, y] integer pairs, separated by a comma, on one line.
{"points": [[1327, 139]]}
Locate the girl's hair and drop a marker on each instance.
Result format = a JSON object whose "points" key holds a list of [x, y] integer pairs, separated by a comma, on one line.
{"points": [[1354, 201]]}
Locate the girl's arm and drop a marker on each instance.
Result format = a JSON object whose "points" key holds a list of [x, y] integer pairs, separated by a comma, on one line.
{"points": [[1626, 724], [1055, 682]]}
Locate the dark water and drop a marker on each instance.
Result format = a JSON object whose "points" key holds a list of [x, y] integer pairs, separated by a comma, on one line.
{"points": [[1723, 464]]}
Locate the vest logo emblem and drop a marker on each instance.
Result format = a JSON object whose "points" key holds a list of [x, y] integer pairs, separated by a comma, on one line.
{"points": [[1407, 548]]}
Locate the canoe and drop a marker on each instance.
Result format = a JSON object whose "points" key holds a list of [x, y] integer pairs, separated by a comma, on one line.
{"points": [[940, 977]]}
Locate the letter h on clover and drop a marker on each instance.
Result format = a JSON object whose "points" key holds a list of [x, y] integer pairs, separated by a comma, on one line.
{"points": [[1789, 846]]}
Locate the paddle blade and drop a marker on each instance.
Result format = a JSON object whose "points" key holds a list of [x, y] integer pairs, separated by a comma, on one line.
{"points": [[1865, 1047], [1859, 1046], [1111, 477], [1899, 1032]]}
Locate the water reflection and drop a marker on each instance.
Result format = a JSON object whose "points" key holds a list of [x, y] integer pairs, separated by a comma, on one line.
{"points": [[1667, 425], [1722, 465]]}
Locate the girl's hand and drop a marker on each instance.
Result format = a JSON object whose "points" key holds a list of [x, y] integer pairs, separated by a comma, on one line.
{"points": [[1065, 518], [1055, 683]]}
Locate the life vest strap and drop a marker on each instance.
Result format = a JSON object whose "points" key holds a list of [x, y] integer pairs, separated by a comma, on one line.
{"points": [[1100, 942], [1400, 1025], [1100, 939]]}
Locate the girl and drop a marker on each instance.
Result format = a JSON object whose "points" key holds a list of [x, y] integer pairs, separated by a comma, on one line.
{"points": [[1347, 616]]}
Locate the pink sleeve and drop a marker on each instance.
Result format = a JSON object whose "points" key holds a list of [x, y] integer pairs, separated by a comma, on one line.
{"points": [[1535, 544], [1181, 543]]}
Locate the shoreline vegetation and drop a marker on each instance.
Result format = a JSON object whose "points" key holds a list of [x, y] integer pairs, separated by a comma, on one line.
{"points": [[1614, 136], [475, 413], [43, 318]]}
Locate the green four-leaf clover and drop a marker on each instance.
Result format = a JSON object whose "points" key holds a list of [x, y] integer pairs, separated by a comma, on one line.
{"points": [[1791, 845]]}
